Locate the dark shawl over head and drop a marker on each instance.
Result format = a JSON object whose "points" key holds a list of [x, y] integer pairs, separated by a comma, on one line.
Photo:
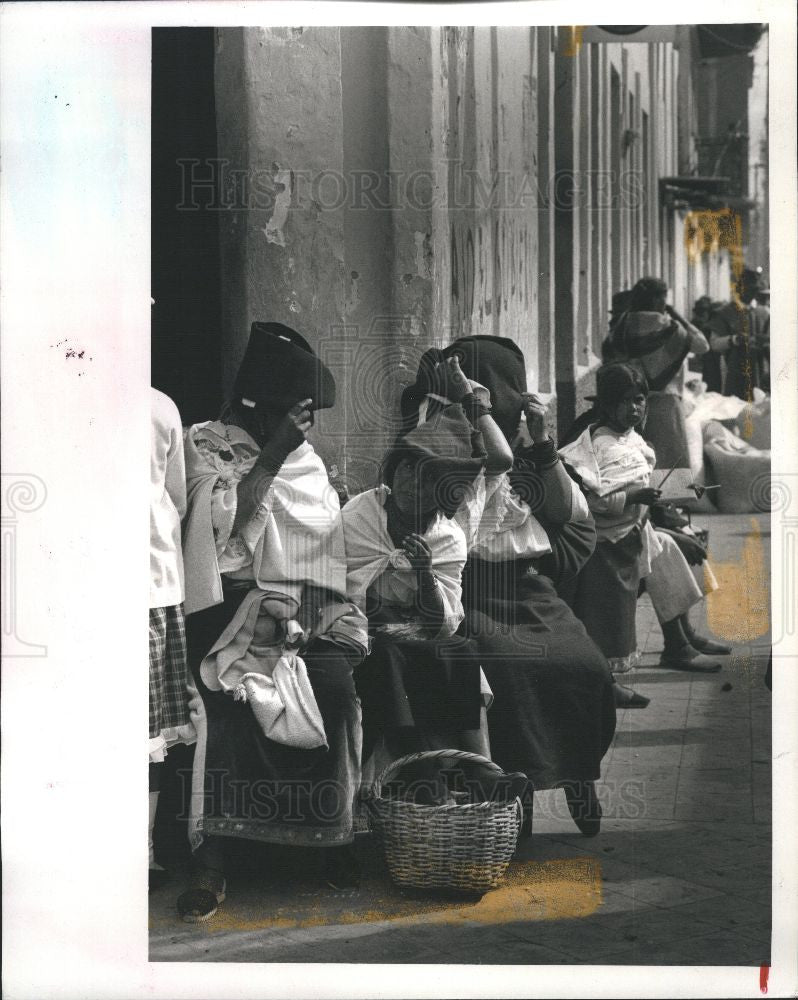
{"points": [[495, 362], [498, 364], [280, 368]]}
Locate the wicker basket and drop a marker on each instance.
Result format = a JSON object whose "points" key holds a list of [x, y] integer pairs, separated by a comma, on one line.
{"points": [[463, 847]]}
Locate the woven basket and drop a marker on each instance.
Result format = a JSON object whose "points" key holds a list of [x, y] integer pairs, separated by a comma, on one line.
{"points": [[463, 847]]}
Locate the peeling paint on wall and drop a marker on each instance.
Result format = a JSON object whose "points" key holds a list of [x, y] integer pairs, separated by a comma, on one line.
{"points": [[280, 35], [282, 202], [423, 255], [352, 299]]}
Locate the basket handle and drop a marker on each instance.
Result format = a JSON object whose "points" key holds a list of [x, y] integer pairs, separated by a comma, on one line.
{"points": [[393, 768]]}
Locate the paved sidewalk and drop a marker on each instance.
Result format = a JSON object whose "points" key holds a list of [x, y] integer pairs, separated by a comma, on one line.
{"points": [[680, 873]]}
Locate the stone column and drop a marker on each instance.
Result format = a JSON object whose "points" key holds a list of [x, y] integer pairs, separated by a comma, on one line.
{"points": [[280, 143], [544, 75], [566, 231]]}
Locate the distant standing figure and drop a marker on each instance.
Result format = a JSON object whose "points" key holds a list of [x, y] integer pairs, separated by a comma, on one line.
{"points": [[620, 305], [740, 334], [703, 311], [170, 722]]}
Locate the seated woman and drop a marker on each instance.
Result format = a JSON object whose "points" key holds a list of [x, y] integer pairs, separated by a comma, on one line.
{"points": [[553, 714], [615, 464], [271, 638], [421, 687]]}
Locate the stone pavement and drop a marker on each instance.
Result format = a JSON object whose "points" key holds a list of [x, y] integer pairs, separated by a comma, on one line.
{"points": [[680, 873]]}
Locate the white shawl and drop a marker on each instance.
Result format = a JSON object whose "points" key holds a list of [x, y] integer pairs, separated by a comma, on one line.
{"points": [[371, 554], [497, 524], [293, 538], [610, 462]]}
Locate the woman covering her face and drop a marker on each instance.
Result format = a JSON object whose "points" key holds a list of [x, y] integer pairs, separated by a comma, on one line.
{"points": [[406, 546], [553, 714], [272, 639]]}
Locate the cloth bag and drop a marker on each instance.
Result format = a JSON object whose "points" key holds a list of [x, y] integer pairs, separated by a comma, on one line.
{"points": [[284, 704]]}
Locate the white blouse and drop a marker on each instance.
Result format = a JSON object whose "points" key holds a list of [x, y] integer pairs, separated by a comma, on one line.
{"points": [[167, 502]]}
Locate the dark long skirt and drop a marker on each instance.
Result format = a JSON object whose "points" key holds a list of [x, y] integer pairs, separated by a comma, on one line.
{"points": [[257, 789], [605, 595], [553, 714], [420, 694]]}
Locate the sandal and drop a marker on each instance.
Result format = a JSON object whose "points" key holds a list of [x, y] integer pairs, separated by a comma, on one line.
{"points": [[625, 697], [201, 900], [690, 660], [705, 645]]}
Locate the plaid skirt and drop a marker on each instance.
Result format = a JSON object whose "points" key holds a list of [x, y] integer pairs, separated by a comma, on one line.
{"points": [[168, 672]]}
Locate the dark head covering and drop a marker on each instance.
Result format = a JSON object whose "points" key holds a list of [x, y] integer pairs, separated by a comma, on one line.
{"points": [[495, 362], [614, 380], [702, 303], [447, 450], [620, 303], [498, 364], [279, 368], [750, 283]]}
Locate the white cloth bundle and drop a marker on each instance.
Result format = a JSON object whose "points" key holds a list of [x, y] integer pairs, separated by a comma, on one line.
{"points": [[284, 704]]}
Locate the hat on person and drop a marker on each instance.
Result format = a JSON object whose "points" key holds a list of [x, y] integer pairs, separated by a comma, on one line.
{"points": [[431, 378], [279, 368], [620, 301], [446, 450]]}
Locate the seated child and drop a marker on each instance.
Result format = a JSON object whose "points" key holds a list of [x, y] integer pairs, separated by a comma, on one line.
{"points": [[615, 465]]}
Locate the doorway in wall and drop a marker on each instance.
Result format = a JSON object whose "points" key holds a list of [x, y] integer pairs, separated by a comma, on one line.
{"points": [[185, 331]]}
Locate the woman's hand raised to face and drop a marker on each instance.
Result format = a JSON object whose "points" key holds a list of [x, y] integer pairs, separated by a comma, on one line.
{"points": [[293, 428], [417, 552], [536, 412], [457, 385]]}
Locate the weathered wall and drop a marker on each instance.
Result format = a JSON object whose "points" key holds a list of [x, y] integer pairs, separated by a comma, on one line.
{"points": [[418, 184], [365, 370]]}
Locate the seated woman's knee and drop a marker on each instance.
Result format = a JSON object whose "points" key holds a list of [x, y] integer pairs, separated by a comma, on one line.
{"points": [[331, 674]]}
